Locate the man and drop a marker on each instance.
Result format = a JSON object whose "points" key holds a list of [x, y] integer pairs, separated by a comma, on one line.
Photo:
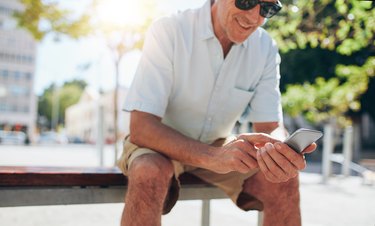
{"points": [[200, 71]]}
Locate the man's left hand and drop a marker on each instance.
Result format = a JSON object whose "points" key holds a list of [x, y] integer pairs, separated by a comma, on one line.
{"points": [[279, 162]]}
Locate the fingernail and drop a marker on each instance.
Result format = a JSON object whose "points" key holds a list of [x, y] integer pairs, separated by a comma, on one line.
{"points": [[278, 146]]}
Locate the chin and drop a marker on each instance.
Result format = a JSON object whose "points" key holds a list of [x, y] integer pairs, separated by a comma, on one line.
{"points": [[240, 39]]}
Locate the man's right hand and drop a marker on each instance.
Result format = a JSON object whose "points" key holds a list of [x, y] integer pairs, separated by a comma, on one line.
{"points": [[239, 154]]}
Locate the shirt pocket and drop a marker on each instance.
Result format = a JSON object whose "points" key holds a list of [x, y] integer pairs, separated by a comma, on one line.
{"points": [[237, 104]]}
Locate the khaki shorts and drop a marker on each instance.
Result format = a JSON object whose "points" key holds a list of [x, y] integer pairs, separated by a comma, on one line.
{"points": [[231, 183]]}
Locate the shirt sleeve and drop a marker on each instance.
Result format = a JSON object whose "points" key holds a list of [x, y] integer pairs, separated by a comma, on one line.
{"points": [[266, 103], [153, 80]]}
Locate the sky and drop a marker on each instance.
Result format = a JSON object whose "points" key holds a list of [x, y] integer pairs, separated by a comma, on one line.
{"points": [[60, 61]]}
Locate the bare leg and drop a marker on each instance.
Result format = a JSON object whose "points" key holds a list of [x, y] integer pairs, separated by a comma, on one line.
{"points": [[281, 200], [149, 179]]}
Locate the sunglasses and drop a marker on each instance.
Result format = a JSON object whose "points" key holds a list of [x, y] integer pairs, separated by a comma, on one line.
{"points": [[267, 9]]}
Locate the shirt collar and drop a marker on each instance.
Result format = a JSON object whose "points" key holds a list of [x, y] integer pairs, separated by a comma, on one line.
{"points": [[205, 28]]}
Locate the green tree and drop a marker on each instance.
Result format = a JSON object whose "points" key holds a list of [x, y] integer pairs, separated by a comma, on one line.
{"points": [[43, 17], [345, 27], [64, 96], [332, 98]]}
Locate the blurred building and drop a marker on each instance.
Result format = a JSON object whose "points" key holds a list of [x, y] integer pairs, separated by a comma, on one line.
{"points": [[82, 119], [17, 64]]}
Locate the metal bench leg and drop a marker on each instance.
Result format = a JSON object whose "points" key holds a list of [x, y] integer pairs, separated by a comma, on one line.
{"points": [[205, 212], [260, 218]]}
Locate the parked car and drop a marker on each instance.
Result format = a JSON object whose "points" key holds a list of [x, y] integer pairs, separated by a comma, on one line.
{"points": [[12, 137], [76, 140]]}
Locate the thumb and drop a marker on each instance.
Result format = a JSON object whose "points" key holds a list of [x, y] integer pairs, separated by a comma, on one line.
{"points": [[258, 138], [309, 149]]}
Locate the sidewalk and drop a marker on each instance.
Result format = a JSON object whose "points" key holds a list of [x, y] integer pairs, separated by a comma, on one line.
{"points": [[341, 202]]}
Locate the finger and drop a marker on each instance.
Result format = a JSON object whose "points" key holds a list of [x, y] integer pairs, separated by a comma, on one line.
{"points": [[310, 148], [263, 167], [295, 158], [240, 143], [240, 166], [273, 167], [247, 147], [252, 151], [258, 138], [230, 140], [250, 163], [287, 167], [246, 158]]}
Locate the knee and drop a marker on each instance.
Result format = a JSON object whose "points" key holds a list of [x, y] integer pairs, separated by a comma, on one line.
{"points": [[151, 168], [283, 192], [272, 193], [289, 188]]}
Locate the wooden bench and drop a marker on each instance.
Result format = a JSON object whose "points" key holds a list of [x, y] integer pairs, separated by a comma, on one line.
{"points": [[33, 186]]}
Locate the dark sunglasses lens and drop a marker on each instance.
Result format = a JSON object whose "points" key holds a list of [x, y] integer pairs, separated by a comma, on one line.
{"points": [[269, 9], [246, 4]]}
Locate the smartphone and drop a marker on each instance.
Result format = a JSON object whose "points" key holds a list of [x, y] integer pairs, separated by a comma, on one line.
{"points": [[302, 138]]}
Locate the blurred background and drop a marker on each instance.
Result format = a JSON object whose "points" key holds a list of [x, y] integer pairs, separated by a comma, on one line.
{"points": [[66, 66]]}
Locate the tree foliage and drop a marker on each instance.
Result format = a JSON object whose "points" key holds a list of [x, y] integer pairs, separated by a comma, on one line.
{"points": [[329, 28], [345, 26], [330, 98], [64, 96], [43, 17]]}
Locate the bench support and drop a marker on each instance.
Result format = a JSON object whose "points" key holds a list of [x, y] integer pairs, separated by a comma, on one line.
{"points": [[260, 218], [205, 212]]}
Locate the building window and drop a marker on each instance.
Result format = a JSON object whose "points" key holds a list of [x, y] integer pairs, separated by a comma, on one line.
{"points": [[5, 74], [28, 75], [24, 59], [19, 91], [17, 75], [2, 106], [31, 59], [5, 10]]}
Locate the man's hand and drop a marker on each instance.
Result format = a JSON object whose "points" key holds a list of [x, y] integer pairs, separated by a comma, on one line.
{"points": [[279, 162], [240, 154]]}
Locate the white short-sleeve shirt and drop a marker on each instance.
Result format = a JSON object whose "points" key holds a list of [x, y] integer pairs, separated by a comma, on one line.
{"points": [[183, 77]]}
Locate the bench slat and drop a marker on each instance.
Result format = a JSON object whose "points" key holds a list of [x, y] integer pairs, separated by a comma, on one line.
{"points": [[15, 176]]}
